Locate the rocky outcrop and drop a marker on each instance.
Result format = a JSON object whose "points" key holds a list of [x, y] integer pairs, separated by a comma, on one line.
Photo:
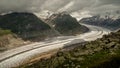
{"points": [[10, 41]]}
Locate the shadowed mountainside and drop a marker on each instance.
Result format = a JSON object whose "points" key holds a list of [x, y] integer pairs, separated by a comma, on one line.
{"points": [[17, 29], [26, 25], [66, 24]]}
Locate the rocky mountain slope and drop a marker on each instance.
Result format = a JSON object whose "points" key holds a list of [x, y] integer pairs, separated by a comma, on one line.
{"points": [[65, 24], [10, 40], [26, 25], [22, 27], [102, 53], [109, 23]]}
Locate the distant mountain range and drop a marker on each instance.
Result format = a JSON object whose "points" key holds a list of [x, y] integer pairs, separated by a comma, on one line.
{"points": [[109, 23]]}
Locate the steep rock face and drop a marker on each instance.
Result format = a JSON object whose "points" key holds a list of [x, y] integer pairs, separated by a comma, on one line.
{"points": [[66, 24], [26, 25], [104, 22]]}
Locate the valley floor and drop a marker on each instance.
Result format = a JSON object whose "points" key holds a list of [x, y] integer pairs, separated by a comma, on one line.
{"points": [[24, 54], [101, 53]]}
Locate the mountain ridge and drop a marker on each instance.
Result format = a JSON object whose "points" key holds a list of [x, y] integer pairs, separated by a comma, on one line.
{"points": [[66, 24]]}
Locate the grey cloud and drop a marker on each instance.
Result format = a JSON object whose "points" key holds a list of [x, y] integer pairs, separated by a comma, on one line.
{"points": [[115, 2], [20, 5], [54, 5], [92, 6], [103, 9], [80, 4], [14, 5]]}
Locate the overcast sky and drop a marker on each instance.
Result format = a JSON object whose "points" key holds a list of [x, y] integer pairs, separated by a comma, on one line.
{"points": [[88, 7]]}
